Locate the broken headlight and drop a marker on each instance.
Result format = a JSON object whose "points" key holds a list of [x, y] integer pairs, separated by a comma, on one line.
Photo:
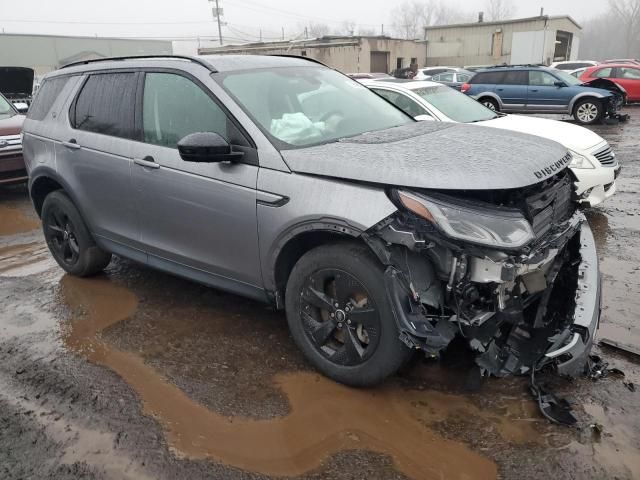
{"points": [[470, 223]]}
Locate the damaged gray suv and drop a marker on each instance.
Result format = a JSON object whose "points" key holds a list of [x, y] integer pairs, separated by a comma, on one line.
{"points": [[282, 180]]}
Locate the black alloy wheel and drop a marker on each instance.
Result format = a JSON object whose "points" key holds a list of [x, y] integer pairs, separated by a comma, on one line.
{"points": [[69, 239], [339, 317], [60, 233]]}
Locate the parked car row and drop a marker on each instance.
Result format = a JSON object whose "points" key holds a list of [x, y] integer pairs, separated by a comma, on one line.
{"points": [[535, 89], [285, 181], [594, 164], [624, 73]]}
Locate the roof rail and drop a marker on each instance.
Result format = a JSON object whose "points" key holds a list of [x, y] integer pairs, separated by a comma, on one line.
{"points": [[301, 57], [206, 65], [506, 65]]}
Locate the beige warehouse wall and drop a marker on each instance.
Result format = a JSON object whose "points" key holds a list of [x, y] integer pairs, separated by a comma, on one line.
{"points": [[47, 53], [471, 44]]}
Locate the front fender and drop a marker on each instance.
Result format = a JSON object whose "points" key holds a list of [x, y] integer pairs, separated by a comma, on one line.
{"points": [[584, 95]]}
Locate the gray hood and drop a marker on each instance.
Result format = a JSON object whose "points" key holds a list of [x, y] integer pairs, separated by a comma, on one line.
{"points": [[436, 155]]}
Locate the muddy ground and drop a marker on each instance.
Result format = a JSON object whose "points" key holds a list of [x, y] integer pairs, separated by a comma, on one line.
{"points": [[136, 374]]}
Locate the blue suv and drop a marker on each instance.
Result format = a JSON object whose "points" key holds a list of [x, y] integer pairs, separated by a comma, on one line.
{"points": [[536, 89]]}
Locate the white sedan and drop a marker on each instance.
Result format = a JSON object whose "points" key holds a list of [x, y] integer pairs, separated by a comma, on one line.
{"points": [[594, 163]]}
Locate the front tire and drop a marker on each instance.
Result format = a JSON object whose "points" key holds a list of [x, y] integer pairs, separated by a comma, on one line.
{"points": [[68, 237], [340, 317], [588, 111]]}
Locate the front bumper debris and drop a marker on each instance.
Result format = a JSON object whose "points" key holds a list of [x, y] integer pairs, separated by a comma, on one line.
{"points": [[571, 356], [519, 312]]}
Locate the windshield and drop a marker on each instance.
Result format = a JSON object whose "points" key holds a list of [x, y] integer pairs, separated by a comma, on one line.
{"points": [[455, 105], [566, 78], [301, 106], [6, 110]]}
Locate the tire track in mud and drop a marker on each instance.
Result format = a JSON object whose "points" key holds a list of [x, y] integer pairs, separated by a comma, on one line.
{"points": [[325, 417]]}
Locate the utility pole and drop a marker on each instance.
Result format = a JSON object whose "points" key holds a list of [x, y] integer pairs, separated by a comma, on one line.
{"points": [[283, 33], [217, 13]]}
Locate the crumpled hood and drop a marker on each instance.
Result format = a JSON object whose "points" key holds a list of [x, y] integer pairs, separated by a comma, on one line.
{"points": [[571, 136], [436, 155]]}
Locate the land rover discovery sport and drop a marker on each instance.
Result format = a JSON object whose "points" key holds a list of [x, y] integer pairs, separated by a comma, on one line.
{"points": [[285, 181]]}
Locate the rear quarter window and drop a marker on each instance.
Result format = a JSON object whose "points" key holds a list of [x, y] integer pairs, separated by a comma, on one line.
{"points": [[488, 77], [46, 97]]}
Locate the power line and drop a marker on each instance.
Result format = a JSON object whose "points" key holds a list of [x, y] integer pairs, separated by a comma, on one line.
{"points": [[261, 8], [70, 22]]}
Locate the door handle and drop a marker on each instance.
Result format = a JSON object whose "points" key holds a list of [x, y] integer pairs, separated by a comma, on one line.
{"points": [[72, 144], [146, 162], [533, 90], [500, 89]]}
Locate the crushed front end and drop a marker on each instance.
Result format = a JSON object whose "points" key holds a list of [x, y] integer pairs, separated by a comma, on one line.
{"points": [[514, 272]]}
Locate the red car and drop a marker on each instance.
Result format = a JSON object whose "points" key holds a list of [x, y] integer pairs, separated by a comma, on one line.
{"points": [[627, 75], [12, 169]]}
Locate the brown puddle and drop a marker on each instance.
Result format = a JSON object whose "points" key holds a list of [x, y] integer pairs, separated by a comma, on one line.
{"points": [[325, 417], [24, 259], [616, 450], [14, 221]]}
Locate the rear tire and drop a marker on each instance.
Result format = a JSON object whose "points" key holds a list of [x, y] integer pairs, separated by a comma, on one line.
{"points": [[355, 342], [68, 237], [588, 111], [490, 103]]}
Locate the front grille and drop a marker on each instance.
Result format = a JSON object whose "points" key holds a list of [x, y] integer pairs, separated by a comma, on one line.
{"points": [[605, 156], [551, 206]]}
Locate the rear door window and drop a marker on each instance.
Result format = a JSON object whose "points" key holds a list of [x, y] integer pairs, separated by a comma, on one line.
{"points": [[515, 77], [45, 98], [106, 105]]}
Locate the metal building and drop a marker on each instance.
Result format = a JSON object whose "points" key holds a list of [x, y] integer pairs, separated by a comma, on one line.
{"points": [[45, 53], [350, 54], [542, 39]]}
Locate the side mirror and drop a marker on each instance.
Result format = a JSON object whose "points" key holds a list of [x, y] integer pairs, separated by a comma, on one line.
{"points": [[206, 147], [560, 84], [422, 118]]}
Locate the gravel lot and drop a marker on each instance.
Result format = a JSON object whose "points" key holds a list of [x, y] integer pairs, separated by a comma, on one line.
{"points": [[136, 374]]}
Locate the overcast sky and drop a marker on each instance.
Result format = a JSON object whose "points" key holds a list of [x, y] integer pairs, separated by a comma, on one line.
{"points": [[245, 18]]}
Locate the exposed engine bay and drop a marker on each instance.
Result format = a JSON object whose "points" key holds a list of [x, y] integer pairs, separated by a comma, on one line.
{"points": [[612, 105], [501, 268]]}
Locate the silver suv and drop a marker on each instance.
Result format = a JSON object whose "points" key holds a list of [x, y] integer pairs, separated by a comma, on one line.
{"points": [[285, 181]]}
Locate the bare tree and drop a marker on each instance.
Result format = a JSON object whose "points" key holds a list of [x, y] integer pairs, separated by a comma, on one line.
{"points": [[347, 27], [500, 9], [317, 30], [367, 31], [627, 13], [405, 19], [410, 18]]}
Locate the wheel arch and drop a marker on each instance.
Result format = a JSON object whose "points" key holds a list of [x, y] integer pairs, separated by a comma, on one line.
{"points": [[583, 96], [490, 95], [295, 243], [44, 181]]}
